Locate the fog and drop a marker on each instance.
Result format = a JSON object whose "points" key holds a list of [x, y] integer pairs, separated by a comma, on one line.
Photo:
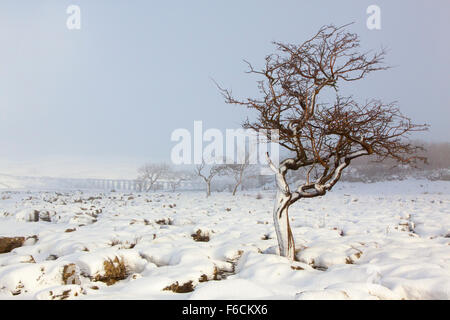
{"points": [[102, 100]]}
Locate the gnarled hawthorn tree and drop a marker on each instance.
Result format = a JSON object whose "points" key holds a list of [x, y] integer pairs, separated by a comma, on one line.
{"points": [[323, 137]]}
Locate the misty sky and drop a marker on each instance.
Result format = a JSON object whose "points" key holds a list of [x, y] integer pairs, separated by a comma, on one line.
{"points": [[99, 101]]}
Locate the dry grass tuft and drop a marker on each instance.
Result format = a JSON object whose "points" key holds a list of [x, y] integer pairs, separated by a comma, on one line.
{"points": [[203, 278], [167, 222], [177, 288], [8, 244], [115, 270], [200, 236], [114, 242], [63, 296], [297, 268], [266, 237]]}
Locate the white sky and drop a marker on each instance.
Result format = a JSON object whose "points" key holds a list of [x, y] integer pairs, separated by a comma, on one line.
{"points": [[100, 101]]}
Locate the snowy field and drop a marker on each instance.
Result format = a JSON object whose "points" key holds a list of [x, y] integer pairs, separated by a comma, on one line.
{"points": [[361, 241]]}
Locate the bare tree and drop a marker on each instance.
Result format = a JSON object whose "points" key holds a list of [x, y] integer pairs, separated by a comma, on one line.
{"points": [[236, 170], [175, 183], [324, 137], [175, 178], [149, 174], [207, 173]]}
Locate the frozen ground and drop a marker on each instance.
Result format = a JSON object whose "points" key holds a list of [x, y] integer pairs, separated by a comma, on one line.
{"points": [[362, 241]]}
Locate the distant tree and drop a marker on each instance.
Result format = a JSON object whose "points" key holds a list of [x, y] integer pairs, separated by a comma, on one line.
{"points": [[207, 173], [175, 178], [236, 171], [149, 174], [322, 136]]}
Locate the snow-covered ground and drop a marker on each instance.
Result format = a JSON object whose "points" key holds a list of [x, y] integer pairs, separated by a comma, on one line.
{"points": [[387, 240]]}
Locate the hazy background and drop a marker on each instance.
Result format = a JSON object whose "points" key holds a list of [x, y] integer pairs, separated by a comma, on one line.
{"points": [[99, 101]]}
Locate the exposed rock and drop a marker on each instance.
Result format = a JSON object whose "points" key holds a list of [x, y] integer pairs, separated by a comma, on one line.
{"points": [[70, 274], [45, 216]]}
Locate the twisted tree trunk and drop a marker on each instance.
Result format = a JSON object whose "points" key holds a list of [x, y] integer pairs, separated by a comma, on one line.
{"points": [[280, 213], [283, 229]]}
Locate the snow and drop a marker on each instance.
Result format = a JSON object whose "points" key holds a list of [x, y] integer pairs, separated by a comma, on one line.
{"points": [[385, 240]]}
